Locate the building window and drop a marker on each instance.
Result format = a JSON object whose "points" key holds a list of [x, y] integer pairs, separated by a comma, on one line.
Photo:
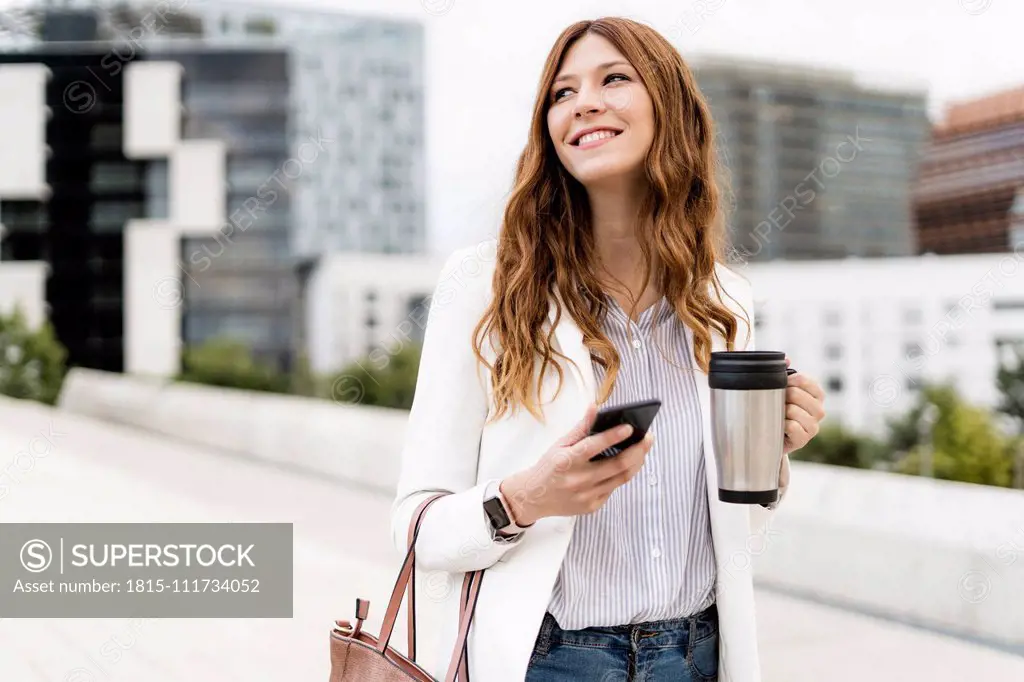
{"points": [[912, 315], [119, 177], [106, 137], [111, 216], [833, 351], [260, 26], [418, 311], [23, 216], [834, 384]]}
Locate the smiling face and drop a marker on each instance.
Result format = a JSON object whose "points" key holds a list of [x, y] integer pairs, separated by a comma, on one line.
{"points": [[601, 118]]}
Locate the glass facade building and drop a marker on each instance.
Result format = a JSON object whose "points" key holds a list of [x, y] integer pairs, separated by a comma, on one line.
{"points": [[817, 165], [357, 84], [240, 284]]}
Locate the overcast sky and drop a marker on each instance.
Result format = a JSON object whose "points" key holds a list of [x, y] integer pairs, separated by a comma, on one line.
{"points": [[484, 57]]}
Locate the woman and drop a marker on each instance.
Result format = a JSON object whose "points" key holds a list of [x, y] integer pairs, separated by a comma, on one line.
{"points": [[609, 288]]}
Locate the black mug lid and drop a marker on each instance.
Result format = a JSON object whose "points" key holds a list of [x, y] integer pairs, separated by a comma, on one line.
{"points": [[748, 362]]}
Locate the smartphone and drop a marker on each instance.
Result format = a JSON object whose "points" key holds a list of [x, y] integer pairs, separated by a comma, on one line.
{"points": [[639, 414]]}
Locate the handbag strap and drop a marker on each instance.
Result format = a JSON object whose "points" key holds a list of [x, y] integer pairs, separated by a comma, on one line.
{"points": [[460, 657], [403, 582], [406, 585]]}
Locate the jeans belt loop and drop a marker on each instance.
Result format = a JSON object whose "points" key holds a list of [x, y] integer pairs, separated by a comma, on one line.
{"points": [[691, 635]]}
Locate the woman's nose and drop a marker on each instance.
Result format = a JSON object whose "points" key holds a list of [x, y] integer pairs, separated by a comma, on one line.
{"points": [[588, 101]]}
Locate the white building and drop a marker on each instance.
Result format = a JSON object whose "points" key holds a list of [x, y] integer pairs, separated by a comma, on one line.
{"points": [[871, 331], [362, 305]]}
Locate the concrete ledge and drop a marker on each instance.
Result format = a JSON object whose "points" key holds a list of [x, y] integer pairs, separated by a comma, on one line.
{"points": [[949, 556], [941, 554], [359, 444]]}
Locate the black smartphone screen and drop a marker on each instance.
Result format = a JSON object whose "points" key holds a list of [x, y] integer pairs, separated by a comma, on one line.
{"points": [[639, 414]]}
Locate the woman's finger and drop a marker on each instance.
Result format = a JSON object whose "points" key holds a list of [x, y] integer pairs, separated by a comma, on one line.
{"points": [[806, 383], [796, 434], [805, 401]]}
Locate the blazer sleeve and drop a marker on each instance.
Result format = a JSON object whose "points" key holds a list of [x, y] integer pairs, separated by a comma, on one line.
{"points": [[760, 516], [442, 441]]}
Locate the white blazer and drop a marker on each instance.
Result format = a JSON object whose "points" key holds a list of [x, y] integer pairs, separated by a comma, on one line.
{"points": [[449, 448]]}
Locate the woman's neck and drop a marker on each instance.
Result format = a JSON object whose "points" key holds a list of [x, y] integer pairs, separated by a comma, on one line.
{"points": [[615, 216]]}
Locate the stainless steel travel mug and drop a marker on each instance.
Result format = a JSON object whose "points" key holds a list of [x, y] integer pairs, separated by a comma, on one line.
{"points": [[748, 417]]}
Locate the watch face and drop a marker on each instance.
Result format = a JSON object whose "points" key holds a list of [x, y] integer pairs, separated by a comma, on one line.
{"points": [[496, 514]]}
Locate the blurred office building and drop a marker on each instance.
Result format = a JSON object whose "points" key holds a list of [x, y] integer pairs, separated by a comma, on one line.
{"points": [[969, 196], [872, 331], [367, 307], [177, 172], [820, 163], [875, 331]]}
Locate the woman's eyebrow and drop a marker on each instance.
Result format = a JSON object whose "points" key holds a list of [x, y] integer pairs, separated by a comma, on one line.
{"points": [[601, 67]]}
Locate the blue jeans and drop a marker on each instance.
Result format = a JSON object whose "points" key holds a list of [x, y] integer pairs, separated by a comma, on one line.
{"points": [[684, 650]]}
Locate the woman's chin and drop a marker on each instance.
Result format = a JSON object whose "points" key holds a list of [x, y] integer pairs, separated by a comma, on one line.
{"points": [[604, 174]]}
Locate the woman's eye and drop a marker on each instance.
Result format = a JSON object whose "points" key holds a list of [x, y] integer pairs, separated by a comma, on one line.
{"points": [[560, 93], [616, 77]]}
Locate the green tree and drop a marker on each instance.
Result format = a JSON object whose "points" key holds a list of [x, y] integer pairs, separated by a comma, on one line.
{"points": [[384, 380], [1010, 381], [836, 445], [229, 363], [302, 381], [966, 442], [32, 361]]}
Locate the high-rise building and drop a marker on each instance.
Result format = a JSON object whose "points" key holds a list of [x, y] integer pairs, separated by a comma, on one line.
{"points": [[358, 82], [819, 164], [969, 196], [299, 142]]}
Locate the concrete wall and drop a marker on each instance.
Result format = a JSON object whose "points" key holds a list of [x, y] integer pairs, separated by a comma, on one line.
{"points": [[23, 283], [152, 115], [23, 117], [358, 444], [938, 553], [942, 554], [197, 196], [153, 298]]}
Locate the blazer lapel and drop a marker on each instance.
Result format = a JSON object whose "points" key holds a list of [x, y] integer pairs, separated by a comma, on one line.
{"points": [[700, 378]]}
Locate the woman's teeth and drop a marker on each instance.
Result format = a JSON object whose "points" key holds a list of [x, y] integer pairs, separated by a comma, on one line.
{"points": [[594, 137]]}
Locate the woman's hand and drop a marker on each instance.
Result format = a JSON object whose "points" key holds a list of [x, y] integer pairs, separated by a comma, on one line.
{"points": [[564, 482], [805, 408]]}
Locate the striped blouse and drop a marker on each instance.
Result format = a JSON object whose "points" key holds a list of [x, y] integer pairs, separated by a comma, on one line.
{"points": [[647, 553]]}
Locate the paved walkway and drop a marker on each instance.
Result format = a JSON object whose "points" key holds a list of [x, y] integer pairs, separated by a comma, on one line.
{"points": [[98, 472]]}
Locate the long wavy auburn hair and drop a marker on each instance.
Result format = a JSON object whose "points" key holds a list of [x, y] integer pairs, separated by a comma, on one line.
{"points": [[546, 247]]}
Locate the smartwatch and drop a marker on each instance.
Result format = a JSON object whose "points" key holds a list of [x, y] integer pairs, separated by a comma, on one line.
{"points": [[496, 511]]}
